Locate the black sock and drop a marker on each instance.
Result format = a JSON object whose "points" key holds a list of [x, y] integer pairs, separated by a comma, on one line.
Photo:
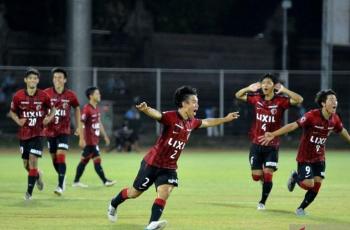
{"points": [[55, 165], [80, 170], [266, 189], [120, 198], [61, 173], [309, 197], [99, 171], [31, 184], [157, 209]]}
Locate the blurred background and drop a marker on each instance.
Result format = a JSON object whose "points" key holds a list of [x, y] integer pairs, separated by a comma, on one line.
{"points": [[142, 50]]}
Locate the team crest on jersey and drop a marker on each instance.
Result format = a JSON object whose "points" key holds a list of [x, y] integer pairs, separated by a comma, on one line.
{"points": [[38, 107], [303, 119], [273, 111], [65, 105]]}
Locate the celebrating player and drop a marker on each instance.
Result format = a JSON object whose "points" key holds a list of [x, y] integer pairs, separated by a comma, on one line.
{"points": [[29, 109], [92, 127], [160, 163], [58, 130], [269, 107], [317, 125]]}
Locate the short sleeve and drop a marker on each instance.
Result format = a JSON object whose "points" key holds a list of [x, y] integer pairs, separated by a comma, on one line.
{"points": [[338, 126], [305, 120], [84, 114], [14, 104], [252, 98], [196, 123], [285, 102], [74, 101], [166, 118]]}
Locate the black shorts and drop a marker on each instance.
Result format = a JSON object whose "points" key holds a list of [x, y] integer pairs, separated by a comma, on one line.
{"points": [[32, 146], [310, 170], [149, 174], [263, 157], [59, 142], [91, 151]]}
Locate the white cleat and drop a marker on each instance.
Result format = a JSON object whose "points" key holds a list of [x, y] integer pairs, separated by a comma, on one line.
{"points": [[79, 184], [112, 213], [58, 191], [39, 181], [27, 196], [260, 206], [300, 212], [157, 225], [110, 183]]}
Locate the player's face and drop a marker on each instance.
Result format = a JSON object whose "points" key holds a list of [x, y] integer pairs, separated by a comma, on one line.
{"points": [[331, 104], [191, 106], [31, 81], [96, 96], [267, 86], [59, 80]]}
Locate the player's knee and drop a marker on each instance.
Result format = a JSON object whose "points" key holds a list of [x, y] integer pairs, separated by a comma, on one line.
{"points": [[307, 184], [60, 158], [256, 177], [85, 160], [97, 160]]}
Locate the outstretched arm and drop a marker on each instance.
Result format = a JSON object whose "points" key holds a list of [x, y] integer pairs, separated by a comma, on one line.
{"points": [[153, 113], [218, 121], [270, 136], [345, 135], [242, 93], [295, 98]]}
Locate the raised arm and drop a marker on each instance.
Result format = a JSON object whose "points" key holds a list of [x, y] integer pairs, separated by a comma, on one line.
{"points": [[218, 121], [345, 135], [153, 113], [242, 93], [295, 98], [264, 140]]}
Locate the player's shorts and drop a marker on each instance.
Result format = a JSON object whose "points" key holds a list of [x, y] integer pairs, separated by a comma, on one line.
{"points": [[91, 151], [263, 156], [149, 174], [310, 170], [59, 142], [32, 146]]}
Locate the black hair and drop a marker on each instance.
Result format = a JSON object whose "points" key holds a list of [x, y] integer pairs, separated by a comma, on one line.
{"points": [[89, 91], [30, 71], [59, 70], [322, 96], [182, 94], [270, 76]]}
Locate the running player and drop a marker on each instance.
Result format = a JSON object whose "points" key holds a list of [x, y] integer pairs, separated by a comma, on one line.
{"points": [[92, 127], [317, 125], [269, 106], [160, 163], [58, 131], [30, 110]]}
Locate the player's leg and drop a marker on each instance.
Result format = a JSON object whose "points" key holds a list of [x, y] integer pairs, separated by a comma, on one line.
{"points": [[270, 166], [52, 146], [318, 171], [144, 179], [256, 163], [62, 149], [98, 168], [84, 160], [165, 182]]}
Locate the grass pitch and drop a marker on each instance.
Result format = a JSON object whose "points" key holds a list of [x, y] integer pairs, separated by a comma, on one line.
{"points": [[215, 192]]}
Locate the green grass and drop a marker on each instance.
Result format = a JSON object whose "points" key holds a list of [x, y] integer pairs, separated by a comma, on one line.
{"points": [[215, 192]]}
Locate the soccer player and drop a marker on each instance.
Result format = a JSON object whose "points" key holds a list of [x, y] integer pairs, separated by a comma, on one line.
{"points": [[269, 106], [30, 110], [58, 131], [92, 127], [317, 125], [160, 163]]}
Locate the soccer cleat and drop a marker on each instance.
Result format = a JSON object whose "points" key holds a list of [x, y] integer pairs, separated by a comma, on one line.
{"points": [[39, 181], [110, 183], [260, 206], [58, 191], [27, 196], [112, 213], [300, 212], [157, 225], [79, 184], [291, 181]]}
